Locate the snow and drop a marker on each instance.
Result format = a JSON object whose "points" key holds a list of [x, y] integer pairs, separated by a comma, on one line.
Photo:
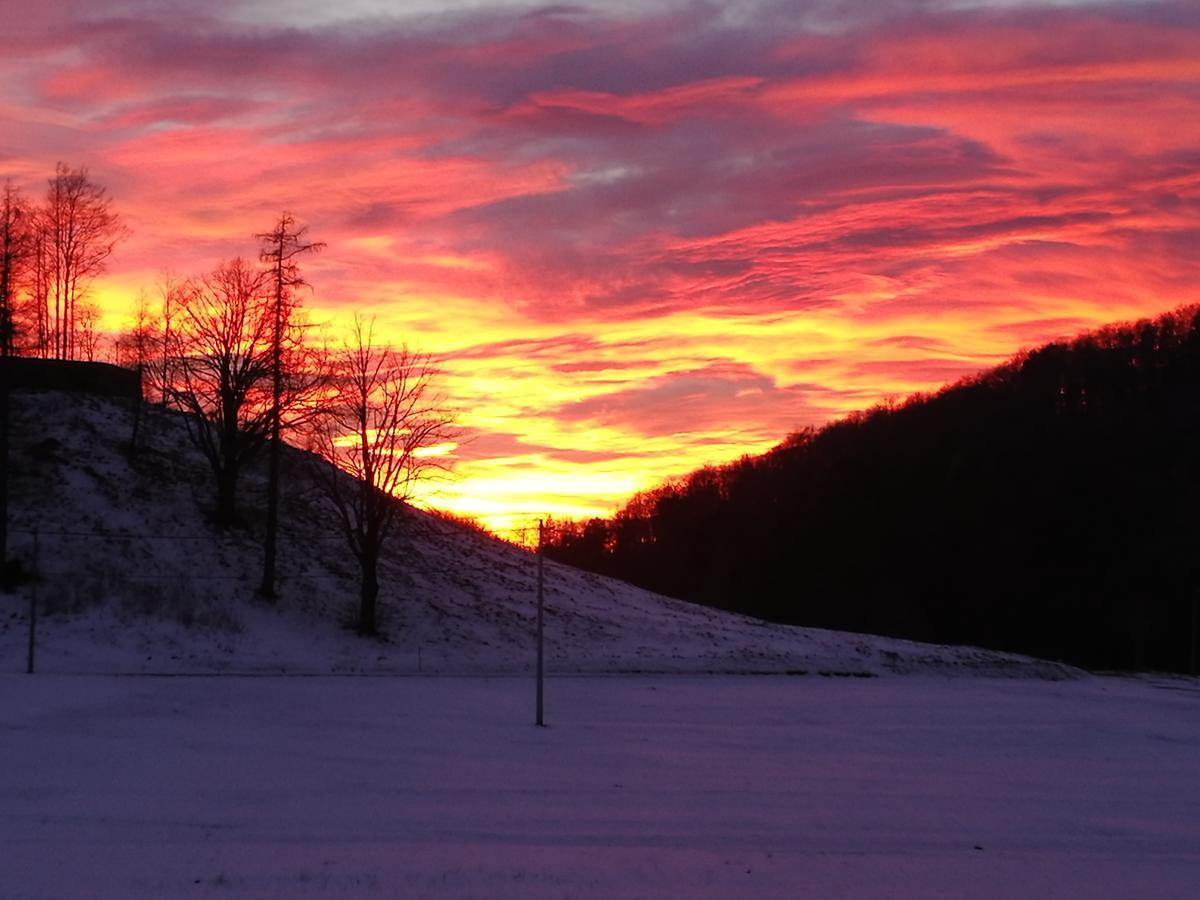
{"points": [[641, 786], [133, 577], [277, 754]]}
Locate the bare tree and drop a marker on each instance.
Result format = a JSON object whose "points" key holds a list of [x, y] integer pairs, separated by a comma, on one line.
{"points": [[80, 231], [41, 341], [87, 330], [383, 426], [137, 348], [281, 247], [145, 341], [137, 344], [221, 361], [160, 371]]}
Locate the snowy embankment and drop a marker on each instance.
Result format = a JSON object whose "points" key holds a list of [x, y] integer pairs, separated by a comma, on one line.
{"points": [[133, 577], [696, 787]]}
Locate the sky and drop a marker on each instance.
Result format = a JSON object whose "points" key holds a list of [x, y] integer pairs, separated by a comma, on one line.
{"points": [[640, 237]]}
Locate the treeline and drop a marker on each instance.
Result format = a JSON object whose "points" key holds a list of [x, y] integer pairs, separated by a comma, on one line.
{"points": [[50, 253], [1050, 506]]}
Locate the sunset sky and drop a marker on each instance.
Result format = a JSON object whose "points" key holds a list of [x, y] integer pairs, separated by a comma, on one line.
{"points": [[641, 236]]}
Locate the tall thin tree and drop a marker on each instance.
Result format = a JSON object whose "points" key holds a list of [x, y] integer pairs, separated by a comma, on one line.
{"points": [[41, 340], [171, 291], [280, 249], [136, 348], [16, 245]]}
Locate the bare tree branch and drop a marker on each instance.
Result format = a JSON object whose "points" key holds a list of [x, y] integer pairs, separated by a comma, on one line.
{"points": [[384, 426], [220, 348], [80, 230]]}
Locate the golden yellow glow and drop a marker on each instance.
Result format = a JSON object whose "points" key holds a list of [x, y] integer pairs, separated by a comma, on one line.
{"points": [[436, 450], [619, 285], [506, 392]]}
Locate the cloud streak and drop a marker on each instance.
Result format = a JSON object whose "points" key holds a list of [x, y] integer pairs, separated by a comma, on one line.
{"points": [[670, 231]]}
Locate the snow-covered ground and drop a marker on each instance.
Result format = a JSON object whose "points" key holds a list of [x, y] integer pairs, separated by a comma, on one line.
{"points": [[133, 577], [408, 766], [641, 786]]}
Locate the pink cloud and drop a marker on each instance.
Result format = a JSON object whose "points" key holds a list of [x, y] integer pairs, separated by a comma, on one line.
{"points": [[972, 179]]}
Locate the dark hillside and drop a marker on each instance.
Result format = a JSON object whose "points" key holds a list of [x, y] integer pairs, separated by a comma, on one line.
{"points": [[1048, 506]]}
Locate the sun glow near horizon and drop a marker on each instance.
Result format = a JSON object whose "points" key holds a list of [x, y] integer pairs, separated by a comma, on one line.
{"points": [[644, 238]]}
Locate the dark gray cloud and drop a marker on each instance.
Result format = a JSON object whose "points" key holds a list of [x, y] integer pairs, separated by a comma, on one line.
{"points": [[698, 400]]}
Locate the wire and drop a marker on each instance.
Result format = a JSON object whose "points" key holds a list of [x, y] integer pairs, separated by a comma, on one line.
{"points": [[113, 535]]}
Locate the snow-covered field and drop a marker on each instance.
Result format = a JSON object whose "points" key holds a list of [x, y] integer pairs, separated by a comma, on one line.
{"points": [[665, 786]]}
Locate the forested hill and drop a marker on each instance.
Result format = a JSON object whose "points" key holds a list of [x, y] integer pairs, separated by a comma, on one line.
{"points": [[1048, 506]]}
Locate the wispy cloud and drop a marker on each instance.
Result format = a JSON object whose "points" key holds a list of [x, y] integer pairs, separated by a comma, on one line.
{"points": [[672, 230]]}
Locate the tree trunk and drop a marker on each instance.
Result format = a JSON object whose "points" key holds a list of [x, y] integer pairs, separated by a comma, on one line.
{"points": [[137, 413], [267, 588], [369, 594], [4, 431], [227, 495], [227, 468]]}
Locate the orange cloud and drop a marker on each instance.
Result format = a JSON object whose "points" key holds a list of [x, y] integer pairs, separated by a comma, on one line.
{"points": [[640, 239]]}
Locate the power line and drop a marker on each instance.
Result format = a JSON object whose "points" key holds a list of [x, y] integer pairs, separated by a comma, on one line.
{"points": [[112, 535]]}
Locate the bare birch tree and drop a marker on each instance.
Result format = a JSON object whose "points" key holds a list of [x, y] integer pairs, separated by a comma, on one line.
{"points": [[382, 427]]}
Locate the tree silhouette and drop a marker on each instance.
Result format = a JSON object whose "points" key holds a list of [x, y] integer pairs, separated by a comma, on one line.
{"points": [[381, 426], [1047, 506], [80, 230], [221, 352], [160, 369], [16, 251], [281, 247], [137, 344]]}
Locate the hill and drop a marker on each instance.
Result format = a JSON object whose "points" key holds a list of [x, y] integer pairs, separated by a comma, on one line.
{"points": [[1049, 506], [133, 576]]}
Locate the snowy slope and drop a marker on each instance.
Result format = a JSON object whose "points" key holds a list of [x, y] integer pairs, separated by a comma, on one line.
{"points": [[134, 578]]}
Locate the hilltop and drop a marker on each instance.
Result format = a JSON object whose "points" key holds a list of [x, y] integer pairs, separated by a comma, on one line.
{"points": [[133, 576]]}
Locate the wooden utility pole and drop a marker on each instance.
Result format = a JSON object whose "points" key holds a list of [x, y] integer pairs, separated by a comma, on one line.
{"points": [[1195, 630], [33, 604], [541, 565]]}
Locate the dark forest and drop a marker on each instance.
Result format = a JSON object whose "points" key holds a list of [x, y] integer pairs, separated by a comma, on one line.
{"points": [[1047, 506]]}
